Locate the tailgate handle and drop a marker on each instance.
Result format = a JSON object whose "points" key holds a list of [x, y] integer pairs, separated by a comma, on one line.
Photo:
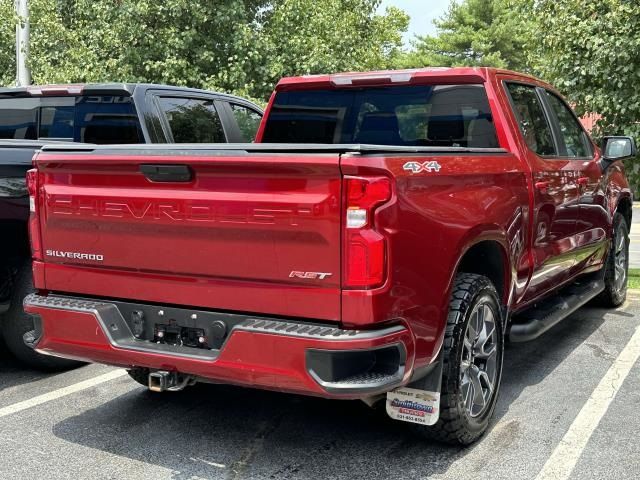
{"points": [[167, 173]]}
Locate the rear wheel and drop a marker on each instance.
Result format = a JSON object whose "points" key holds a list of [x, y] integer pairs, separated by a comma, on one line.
{"points": [[617, 266], [15, 323], [472, 356]]}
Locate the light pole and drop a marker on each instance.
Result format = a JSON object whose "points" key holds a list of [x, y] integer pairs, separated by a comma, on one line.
{"points": [[23, 75]]}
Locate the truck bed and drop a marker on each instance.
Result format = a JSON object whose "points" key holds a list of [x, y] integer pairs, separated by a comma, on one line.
{"points": [[256, 228]]}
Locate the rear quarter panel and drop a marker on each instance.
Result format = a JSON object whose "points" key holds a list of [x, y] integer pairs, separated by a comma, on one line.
{"points": [[433, 219]]}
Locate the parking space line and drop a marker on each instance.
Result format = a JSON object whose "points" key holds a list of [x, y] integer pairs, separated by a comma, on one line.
{"points": [[61, 392], [566, 455]]}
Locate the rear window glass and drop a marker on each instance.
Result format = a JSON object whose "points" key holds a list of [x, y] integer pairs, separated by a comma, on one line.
{"points": [[101, 119], [438, 115]]}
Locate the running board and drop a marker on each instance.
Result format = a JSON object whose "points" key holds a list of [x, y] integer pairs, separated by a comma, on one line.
{"points": [[533, 322]]}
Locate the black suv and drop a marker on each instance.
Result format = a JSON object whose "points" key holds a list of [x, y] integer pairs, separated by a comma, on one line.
{"points": [[101, 114]]}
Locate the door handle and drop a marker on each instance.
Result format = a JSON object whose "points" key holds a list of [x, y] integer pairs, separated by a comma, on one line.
{"points": [[167, 173], [542, 186], [583, 180]]}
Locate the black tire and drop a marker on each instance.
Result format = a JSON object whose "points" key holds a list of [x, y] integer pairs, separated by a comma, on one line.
{"points": [[140, 375], [15, 323], [457, 424], [615, 289]]}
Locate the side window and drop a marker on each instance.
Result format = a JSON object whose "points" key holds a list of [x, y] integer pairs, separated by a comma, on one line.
{"points": [[575, 138], [192, 120], [533, 122], [248, 121]]}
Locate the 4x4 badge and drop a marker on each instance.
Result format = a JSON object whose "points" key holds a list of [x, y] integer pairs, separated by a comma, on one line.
{"points": [[415, 167]]}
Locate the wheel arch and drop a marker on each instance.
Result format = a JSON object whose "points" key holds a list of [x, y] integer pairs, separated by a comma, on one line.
{"points": [[487, 257], [625, 207], [486, 254]]}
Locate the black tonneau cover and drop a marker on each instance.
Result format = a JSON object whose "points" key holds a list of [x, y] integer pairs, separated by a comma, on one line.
{"points": [[15, 159], [19, 153], [215, 149]]}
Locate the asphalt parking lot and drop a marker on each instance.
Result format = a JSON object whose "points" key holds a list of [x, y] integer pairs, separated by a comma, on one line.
{"points": [[566, 410], [55, 426]]}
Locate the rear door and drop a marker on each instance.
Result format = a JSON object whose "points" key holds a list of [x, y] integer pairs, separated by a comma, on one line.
{"points": [[248, 232], [556, 193], [593, 220]]}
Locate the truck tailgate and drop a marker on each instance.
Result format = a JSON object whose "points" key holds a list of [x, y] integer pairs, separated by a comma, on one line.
{"points": [[249, 232]]}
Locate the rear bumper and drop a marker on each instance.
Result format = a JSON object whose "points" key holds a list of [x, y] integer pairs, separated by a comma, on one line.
{"points": [[285, 355]]}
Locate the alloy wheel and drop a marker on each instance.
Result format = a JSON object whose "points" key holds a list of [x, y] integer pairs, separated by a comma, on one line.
{"points": [[479, 363], [620, 260]]}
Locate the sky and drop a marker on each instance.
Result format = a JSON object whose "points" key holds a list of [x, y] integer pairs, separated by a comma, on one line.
{"points": [[422, 13]]}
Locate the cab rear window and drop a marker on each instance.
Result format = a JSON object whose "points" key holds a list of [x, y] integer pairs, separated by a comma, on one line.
{"points": [[101, 119], [435, 115]]}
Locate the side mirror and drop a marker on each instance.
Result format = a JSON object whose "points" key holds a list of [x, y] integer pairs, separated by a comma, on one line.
{"points": [[618, 148]]}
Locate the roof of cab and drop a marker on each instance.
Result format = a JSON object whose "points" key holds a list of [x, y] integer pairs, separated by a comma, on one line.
{"points": [[390, 77], [126, 89]]}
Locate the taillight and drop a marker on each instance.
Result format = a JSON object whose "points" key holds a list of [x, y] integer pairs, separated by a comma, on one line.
{"points": [[32, 187], [365, 249], [34, 229]]}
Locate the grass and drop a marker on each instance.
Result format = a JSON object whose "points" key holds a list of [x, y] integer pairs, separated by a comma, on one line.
{"points": [[634, 278]]}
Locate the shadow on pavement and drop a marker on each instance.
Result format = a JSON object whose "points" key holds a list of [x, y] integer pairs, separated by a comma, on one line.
{"points": [[215, 431], [528, 364], [12, 373]]}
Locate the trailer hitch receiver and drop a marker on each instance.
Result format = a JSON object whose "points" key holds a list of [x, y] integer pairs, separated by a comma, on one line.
{"points": [[162, 380]]}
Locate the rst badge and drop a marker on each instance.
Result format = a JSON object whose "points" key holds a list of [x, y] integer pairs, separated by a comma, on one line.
{"points": [[310, 275], [416, 167]]}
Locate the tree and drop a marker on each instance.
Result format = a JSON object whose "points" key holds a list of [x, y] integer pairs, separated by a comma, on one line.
{"points": [[183, 42], [590, 49], [476, 33], [306, 37], [238, 46], [7, 43]]}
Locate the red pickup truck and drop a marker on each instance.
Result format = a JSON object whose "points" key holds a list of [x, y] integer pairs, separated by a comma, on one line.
{"points": [[384, 236]]}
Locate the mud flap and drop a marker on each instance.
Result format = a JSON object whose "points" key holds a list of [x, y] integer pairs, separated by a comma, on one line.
{"points": [[419, 402]]}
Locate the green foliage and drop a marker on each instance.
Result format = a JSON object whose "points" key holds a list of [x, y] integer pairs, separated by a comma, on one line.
{"points": [[7, 43], [239, 46], [634, 278], [590, 49], [476, 33], [305, 37], [183, 42]]}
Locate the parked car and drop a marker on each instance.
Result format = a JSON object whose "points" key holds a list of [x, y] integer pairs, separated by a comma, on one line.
{"points": [[385, 236], [101, 114]]}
